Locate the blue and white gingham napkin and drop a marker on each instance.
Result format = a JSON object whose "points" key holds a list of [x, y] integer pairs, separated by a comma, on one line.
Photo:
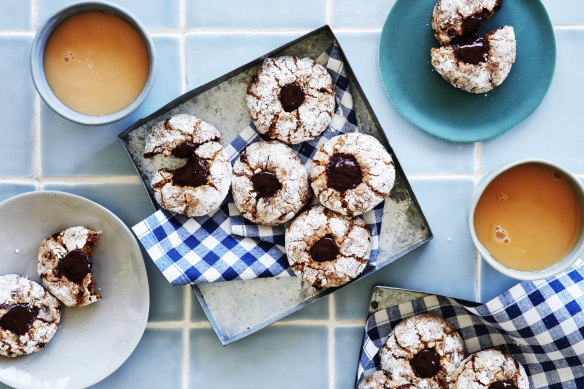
{"points": [[540, 324], [224, 246]]}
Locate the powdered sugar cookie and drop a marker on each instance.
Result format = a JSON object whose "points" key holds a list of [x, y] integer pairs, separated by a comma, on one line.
{"points": [[291, 99], [65, 262], [456, 18], [479, 65], [424, 349], [352, 173], [326, 249], [270, 184], [490, 369], [29, 316], [382, 379]]}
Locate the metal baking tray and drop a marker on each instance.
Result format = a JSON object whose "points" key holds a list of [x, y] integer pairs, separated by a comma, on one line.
{"points": [[239, 308]]}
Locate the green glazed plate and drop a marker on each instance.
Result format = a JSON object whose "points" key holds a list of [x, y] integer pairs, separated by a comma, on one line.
{"points": [[425, 99]]}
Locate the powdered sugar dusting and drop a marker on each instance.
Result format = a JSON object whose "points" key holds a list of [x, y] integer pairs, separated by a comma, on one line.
{"points": [[486, 367]]}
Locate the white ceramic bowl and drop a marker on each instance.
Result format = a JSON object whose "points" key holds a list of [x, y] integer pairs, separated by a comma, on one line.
{"points": [[550, 271], [37, 62]]}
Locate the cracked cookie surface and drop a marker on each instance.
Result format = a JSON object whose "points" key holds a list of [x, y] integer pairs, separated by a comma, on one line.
{"points": [[424, 349], [352, 173], [327, 249], [291, 99], [199, 186], [65, 266], [382, 379], [455, 18], [489, 369], [29, 316], [488, 65], [270, 184]]}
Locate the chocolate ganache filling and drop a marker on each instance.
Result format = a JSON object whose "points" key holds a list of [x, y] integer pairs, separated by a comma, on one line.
{"points": [[325, 249], [426, 363], [194, 173], [508, 384], [266, 184], [343, 172], [75, 266], [19, 318], [291, 96], [474, 51], [184, 150]]}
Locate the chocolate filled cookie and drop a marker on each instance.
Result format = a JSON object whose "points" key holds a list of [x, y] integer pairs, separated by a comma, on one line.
{"points": [[452, 19], [291, 99], [424, 349], [29, 316], [270, 184], [200, 186], [477, 65], [489, 369], [352, 173], [326, 249], [382, 379], [65, 266]]}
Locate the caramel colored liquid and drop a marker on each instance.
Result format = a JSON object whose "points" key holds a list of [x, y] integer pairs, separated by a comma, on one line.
{"points": [[96, 63], [528, 218]]}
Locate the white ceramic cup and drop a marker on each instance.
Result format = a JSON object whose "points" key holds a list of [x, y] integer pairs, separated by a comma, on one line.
{"points": [[550, 271]]}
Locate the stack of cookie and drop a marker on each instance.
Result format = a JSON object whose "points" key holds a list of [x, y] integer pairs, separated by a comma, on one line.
{"points": [[291, 100], [425, 351]]}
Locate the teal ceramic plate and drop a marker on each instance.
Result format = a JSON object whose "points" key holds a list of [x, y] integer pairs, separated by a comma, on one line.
{"points": [[421, 95]]}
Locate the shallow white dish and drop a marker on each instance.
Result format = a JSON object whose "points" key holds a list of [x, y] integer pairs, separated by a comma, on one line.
{"points": [[93, 341]]}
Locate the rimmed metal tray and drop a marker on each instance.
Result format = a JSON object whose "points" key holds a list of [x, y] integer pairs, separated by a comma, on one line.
{"points": [[239, 308]]}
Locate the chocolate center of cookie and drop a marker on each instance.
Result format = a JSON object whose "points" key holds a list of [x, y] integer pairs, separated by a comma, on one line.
{"points": [[503, 385], [194, 173], [291, 97], [426, 363], [266, 184], [75, 266], [343, 172], [184, 150], [474, 51], [325, 249], [19, 318]]}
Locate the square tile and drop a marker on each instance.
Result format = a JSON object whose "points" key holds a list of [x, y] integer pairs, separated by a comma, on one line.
{"points": [[131, 204], [565, 11], [553, 131], [289, 357], [493, 283], [255, 14], [16, 107], [205, 62], [347, 351], [15, 14], [445, 265], [144, 368], [70, 149], [8, 190], [158, 13], [372, 13], [418, 152], [318, 310]]}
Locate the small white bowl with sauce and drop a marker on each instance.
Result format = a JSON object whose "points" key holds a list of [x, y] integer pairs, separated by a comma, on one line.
{"points": [[93, 63]]}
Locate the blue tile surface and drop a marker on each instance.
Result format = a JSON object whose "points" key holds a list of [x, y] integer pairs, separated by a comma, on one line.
{"points": [[144, 369], [9, 190], [205, 62], [256, 13], [286, 357], [554, 130], [16, 107], [565, 11], [350, 13], [157, 14], [418, 152], [15, 14], [131, 203], [348, 338]]}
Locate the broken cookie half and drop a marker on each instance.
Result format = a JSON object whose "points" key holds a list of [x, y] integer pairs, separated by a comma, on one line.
{"points": [[478, 65]]}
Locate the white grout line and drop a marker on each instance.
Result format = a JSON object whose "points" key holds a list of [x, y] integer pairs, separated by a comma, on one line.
{"points": [[190, 325], [331, 340], [329, 12], [478, 270], [186, 337]]}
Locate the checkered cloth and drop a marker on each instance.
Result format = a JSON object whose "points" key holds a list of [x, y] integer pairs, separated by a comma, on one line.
{"points": [[224, 246], [540, 324]]}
